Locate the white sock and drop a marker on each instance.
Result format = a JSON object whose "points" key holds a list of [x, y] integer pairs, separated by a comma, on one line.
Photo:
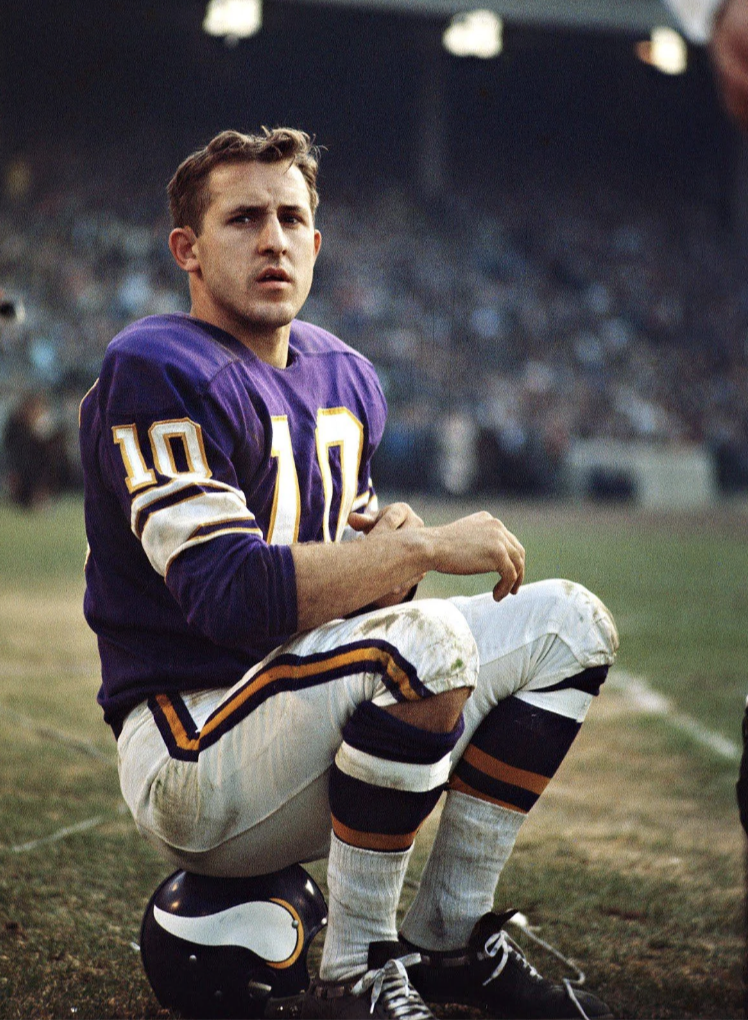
{"points": [[472, 845], [364, 891]]}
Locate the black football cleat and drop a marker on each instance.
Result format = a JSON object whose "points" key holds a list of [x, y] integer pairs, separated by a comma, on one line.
{"points": [[493, 975], [384, 991]]}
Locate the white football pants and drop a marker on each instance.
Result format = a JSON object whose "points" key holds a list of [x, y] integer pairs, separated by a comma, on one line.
{"points": [[233, 781]]}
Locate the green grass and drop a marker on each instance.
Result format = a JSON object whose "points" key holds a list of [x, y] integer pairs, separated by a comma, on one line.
{"points": [[42, 547], [678, 587], [631, 863]]}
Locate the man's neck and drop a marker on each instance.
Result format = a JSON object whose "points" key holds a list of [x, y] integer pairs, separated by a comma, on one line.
{"points": [[271, 349], [270, 345]]}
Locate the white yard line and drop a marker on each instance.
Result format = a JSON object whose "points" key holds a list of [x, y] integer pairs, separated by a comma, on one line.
{"points": [[63, 833], [78, 744], [42, 730], [648, 701]]}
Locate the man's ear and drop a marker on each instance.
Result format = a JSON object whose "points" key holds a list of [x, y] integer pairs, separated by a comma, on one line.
{"points": [[181, 241]]}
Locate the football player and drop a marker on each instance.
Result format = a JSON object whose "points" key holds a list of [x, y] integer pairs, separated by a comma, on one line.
{"points": [[276, 694]]}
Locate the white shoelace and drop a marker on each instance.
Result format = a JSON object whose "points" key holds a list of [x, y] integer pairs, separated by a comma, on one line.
{"points": [[392, 985], [504, 944]]}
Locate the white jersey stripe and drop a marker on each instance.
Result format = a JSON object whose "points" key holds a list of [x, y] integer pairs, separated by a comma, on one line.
{"points": [[168, 531], [174, 487]]}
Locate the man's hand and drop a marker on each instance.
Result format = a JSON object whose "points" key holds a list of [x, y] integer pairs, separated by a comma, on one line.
{"points": [[389, 518], [335, 579], [476, 544], [729, 50], [393, 517], [481, 544]]}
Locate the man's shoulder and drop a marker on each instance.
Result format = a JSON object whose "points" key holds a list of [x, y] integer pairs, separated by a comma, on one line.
{"points": [[314, 340], [162, 361], [171, 340]]}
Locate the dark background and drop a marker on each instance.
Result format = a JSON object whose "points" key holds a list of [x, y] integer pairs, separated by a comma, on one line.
{"points": [[555, 101]]}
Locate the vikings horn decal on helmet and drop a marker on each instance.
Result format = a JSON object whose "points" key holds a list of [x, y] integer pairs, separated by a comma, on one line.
{"points": [[231, 947]]}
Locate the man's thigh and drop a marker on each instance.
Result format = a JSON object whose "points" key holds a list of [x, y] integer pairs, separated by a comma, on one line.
{"points": [[214, 779]]}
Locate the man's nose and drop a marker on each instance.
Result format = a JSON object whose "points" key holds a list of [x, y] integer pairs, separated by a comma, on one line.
{"points": [[272, 237]]}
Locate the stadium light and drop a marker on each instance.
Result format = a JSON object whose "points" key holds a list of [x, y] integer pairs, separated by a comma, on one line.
{"points": [[474, 34], [233, 19], [665, 49]]}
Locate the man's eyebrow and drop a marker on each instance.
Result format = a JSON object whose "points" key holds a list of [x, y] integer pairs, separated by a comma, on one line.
{"points": [[245, 207], [294, 207], [249, 207]]}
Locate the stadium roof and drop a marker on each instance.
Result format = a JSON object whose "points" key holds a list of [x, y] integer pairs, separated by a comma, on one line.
{"points": [[620, 15]]}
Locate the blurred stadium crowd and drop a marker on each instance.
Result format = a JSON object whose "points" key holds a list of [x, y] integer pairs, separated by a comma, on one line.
{"points": [[503, 330]]}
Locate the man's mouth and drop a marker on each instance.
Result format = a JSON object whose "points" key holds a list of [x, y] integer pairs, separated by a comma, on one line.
{"points": [[273, 274]]}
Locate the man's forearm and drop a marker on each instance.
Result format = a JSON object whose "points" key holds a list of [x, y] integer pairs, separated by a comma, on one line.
{"points": [[335, 579]]}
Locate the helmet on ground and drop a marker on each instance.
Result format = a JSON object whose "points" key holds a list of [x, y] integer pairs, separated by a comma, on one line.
{"points": [[231, 947]]}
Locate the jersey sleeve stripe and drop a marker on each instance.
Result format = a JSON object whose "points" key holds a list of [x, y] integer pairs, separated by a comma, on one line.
{"points": [[176, 490], [230, 524], [361, 501], [167, 530], [372, 507]]}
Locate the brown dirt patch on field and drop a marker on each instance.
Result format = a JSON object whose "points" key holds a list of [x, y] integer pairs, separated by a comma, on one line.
{"points": [[620, 797]]}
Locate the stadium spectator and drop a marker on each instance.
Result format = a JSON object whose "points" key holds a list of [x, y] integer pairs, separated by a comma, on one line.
{"points": [[606, 314], [36, 458]]}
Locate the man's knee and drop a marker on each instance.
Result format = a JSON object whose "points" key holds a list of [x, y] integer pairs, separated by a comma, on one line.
{"points": [[448, 665], [439, 714], [434, 644], [387, 777], [588, 624]]}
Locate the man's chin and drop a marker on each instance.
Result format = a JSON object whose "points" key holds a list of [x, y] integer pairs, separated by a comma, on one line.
{"points": [[272, 316]]}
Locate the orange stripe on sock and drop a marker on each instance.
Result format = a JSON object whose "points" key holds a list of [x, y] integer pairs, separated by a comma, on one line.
{"points": [[531, 781], [373, 840], [457, 784]]}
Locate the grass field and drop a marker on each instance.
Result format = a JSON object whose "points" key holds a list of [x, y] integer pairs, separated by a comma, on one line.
{"points": [[631, 864]]}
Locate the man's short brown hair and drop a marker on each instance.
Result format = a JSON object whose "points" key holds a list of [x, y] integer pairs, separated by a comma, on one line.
{"points": [[188, 191]]}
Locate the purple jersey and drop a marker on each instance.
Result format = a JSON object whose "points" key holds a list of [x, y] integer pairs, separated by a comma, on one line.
{"points": [[202, 463]]}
